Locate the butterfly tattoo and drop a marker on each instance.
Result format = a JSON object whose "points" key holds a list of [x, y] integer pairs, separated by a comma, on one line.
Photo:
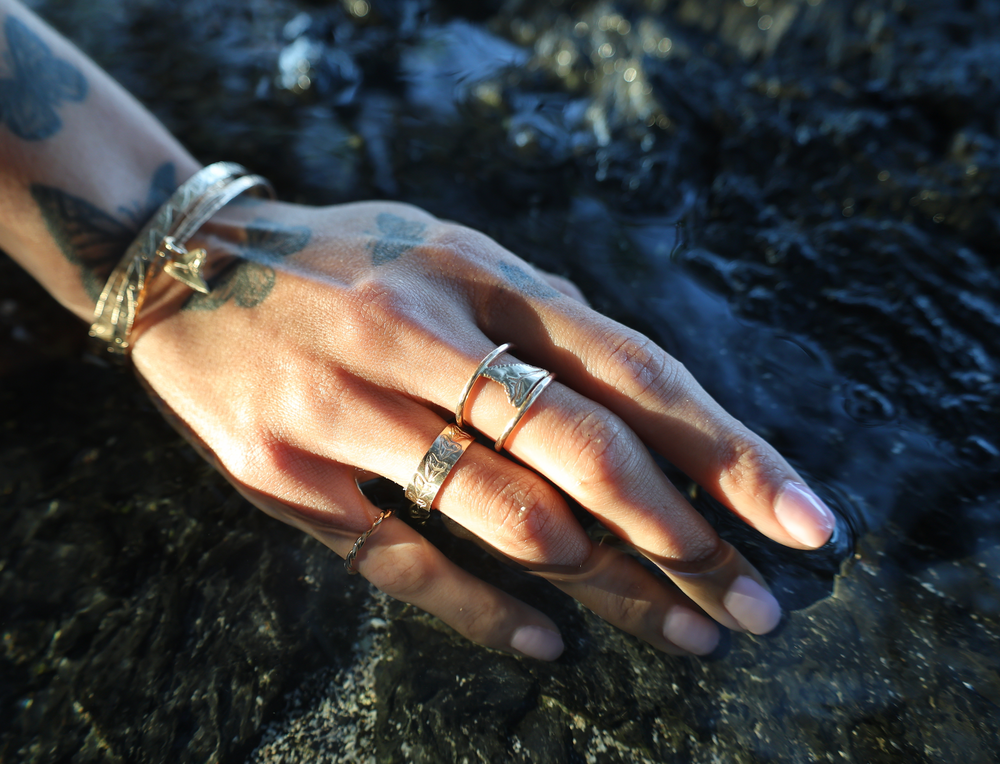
{"points": [[41, 82], [91, 238], [248, 280], [397, 236]]}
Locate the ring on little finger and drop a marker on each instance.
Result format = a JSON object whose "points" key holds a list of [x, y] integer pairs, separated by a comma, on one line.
{"points": [[352, 555], [521, 382]]}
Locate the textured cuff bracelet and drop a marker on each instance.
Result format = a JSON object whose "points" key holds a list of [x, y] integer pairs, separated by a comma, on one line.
{"points": [[160, 245]]}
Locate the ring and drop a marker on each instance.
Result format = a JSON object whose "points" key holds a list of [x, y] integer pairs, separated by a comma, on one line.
{"points": [[521, 382], [439, 460], [349, 560], [530, 397], [460, 408]]}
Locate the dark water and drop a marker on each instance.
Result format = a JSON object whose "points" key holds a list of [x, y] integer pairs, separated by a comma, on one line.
{"points": [[797, 199]]}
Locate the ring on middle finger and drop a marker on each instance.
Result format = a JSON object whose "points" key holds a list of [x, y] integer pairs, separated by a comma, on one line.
{"points": [[521, 382]]}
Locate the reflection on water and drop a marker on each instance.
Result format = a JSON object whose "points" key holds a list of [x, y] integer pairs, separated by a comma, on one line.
{"points": [[796, 198]]}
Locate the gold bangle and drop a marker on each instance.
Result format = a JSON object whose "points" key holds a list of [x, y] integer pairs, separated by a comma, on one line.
{"points": [[160, 246]]}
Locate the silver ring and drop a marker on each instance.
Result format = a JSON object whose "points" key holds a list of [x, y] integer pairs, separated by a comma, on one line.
{"points": [[521, 382], [460, 408], [530, 397], [439, 460]]}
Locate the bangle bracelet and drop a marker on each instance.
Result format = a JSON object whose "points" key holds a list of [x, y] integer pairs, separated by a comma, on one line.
{"points": [[160, 246]]}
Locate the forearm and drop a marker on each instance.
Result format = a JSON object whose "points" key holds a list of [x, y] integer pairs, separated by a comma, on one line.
{"points": [[82, 163]]}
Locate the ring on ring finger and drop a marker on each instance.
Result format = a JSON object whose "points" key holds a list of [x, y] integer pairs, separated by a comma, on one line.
{"points": [[439, 460], [433, 470]]}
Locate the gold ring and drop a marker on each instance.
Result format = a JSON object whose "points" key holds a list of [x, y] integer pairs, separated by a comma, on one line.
{"points": [[529, 397], [352, 555], [460, 408], [439, 460]]}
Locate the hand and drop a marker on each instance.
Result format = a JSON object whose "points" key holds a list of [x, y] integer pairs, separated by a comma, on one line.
{"points": [[339, 343]]}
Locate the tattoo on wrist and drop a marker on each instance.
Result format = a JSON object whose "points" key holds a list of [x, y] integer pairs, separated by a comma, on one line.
{"points": [[247, 281], [397, 236], [90, 237], [39, 83], [524, 282]]}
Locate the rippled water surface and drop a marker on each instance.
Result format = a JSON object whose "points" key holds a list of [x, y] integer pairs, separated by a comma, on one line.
{"points": [[797, 199]]}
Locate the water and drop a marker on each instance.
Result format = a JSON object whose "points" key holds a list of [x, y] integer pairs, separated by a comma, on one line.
{"points": [[797, 199]]}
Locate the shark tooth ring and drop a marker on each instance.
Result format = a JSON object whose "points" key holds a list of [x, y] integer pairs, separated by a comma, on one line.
{"points": [[521, 382]]}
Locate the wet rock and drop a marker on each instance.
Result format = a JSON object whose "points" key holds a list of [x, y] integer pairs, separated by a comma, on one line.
{"points": [[797, 199]]}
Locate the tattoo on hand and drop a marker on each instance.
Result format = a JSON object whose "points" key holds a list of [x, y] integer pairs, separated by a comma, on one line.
{"points": [[90, 237], [526, 283], [248, 280], [398, 236], [40, 82]]}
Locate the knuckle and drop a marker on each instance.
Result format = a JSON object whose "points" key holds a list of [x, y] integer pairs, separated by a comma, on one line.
{"points": [[626, 608], [401, 571], [259, 464], [478, 620], [459, 239], [746, 464], [604, 452], [519, 514], [640, 369], [374, 313], [697, 551]]}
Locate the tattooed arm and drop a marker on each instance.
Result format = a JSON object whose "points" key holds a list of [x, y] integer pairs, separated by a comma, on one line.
{"points": [[337, 341], [82, 164]]}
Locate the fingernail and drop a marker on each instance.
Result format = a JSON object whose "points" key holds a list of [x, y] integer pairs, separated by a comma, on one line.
{"points": [[536, 642], [803, 515], [690, 631], [752, 605]]}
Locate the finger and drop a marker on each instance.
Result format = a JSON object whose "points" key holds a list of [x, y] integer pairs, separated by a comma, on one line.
{"points": [[600, 462], [400, 562], [404, 565], [622, 592], [502, 502], [660, 400], [516, 512], [581, 447]]}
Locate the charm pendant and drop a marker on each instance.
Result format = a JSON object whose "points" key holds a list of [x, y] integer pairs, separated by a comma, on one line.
{"points": [[184, 265]]}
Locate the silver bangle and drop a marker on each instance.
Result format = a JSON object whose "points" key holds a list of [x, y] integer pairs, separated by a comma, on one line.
{"points": [[160, 246]]}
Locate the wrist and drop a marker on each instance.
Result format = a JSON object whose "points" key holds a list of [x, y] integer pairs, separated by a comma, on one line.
{"points": [[161, 249]]}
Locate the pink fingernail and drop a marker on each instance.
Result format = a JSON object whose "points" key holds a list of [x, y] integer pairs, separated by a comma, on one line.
{"points": [[690, 631], [803, 515], [537, 642], [752, 605]]}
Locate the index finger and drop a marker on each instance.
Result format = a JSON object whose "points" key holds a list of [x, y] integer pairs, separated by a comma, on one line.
{"points": [[665, 406]]}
